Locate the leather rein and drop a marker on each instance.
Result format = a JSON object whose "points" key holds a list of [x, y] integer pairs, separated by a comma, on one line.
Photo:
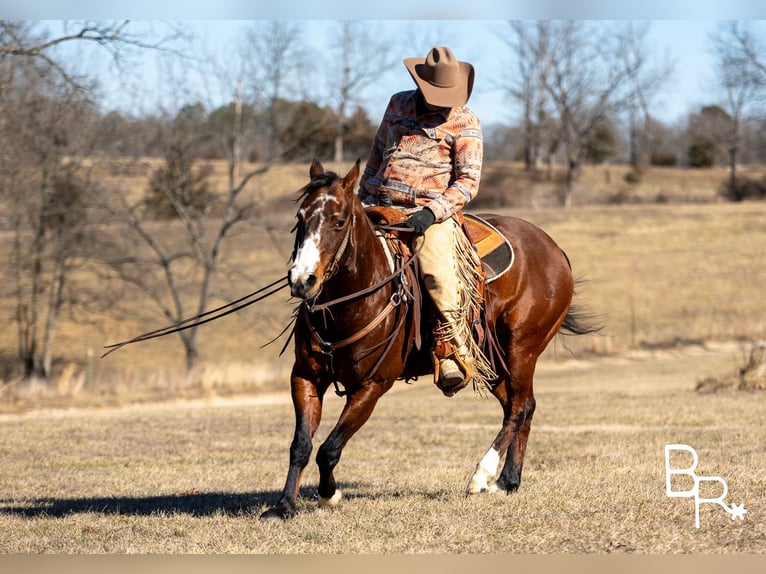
{"points": [[401, 295]]}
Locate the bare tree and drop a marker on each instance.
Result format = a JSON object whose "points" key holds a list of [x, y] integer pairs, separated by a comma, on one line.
{"points": [[274, 62], [45, 183], [530, 46], [363, 56], [46, 135], [748, 43], [587, 83], [742, 78], [35, 41], [644, 82], [189, 261]]}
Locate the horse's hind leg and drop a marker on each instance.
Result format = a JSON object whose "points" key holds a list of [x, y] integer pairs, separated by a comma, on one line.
{"points": [[521, 422], [356, 412], [518, 402]]}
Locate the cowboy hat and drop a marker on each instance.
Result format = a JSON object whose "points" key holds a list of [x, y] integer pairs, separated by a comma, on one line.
{"points": [[443, 80]]}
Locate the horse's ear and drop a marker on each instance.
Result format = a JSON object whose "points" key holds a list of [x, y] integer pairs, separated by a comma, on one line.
{"points": [[352, 175], [316, 169]]}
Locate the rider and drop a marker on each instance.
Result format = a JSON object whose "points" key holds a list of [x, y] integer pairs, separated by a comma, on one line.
{"points": [[426, 159]]}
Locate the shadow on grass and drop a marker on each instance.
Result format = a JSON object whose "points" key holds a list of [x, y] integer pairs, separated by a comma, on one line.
{"points": [[191, 503]]}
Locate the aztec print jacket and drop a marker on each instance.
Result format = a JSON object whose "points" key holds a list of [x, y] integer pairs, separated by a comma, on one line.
{"points": [[432, 159]]}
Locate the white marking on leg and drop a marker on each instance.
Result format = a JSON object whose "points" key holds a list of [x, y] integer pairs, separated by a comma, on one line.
{"points": [[486, 470], [331, 502]]}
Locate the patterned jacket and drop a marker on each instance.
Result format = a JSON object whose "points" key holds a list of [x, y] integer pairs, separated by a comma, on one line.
{"points": [[432, 159]]}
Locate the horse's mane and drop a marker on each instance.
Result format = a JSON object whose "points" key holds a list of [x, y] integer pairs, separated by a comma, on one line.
{"points": [[321, 181]]}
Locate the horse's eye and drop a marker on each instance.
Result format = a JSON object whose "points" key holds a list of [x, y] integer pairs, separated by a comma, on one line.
{"points": [[340, 223]]}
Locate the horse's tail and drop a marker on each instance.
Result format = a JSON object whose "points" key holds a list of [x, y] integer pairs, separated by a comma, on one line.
{"points": [[579, 321]]}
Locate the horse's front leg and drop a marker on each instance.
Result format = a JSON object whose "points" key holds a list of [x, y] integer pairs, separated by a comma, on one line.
{"points": [[359, 407], [307, 400]]}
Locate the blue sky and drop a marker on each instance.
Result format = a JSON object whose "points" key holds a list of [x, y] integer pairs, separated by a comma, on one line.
{"points": [[683, 42], [680, 30], [394, 9]]}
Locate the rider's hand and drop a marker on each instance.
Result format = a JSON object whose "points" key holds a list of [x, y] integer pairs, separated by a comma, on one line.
{"points": [[421, 220]]}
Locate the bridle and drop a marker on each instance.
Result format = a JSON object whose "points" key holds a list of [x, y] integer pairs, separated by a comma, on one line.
{"points": [[335, 264], [402, 294]]}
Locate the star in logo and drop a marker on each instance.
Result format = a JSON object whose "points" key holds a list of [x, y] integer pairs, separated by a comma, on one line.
{"points": [[738, 511]]}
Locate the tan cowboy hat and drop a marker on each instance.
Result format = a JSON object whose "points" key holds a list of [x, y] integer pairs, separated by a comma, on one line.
{"points": [[443, 80]]}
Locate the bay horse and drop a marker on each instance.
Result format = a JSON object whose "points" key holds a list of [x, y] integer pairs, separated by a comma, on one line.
{"points": [[363, 338]]}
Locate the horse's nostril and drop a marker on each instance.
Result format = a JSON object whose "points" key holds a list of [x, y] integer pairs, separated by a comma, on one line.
{"points": [[311, 280]]}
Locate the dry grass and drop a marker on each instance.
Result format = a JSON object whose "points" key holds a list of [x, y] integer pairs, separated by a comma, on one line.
{"points": [[192, 477], [674, 283], [658, 275], [665, 275]]}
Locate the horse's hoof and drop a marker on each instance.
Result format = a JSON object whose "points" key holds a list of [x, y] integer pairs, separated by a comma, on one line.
{"points": [[277, 513], [331, 502], [485, 489]]}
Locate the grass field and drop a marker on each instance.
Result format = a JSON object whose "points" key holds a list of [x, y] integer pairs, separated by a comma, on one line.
{"points": [[656, 274], [132, 455], [193, 477]]}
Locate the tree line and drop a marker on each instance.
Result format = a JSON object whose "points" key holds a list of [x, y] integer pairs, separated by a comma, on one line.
{"points": [[586, 92]]}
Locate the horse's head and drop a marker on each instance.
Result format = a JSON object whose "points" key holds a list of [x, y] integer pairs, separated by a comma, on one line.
{"points": [[322, 233]]}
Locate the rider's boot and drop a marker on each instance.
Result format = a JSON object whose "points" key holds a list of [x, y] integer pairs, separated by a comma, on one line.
{"points": [[453, 366]]}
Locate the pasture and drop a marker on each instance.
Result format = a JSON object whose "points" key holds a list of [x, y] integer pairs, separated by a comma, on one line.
{"points": [[131, 455], [193, 477]]}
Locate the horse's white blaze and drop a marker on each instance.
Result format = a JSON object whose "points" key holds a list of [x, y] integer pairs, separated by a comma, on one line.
{"points": [[331, 502], [485, 471], [308, 256], [306, 259]]}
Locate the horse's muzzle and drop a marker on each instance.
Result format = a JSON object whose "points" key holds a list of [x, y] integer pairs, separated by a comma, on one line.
{"points": [[303, 287]]}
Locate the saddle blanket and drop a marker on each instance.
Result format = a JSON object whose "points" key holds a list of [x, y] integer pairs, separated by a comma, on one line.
{"points": [[494, 249]]}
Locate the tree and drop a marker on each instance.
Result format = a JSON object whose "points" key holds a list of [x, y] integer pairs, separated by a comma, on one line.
{"points": [[742, 78], [48, 209], [588, 84], [274, 61], [530, 44], [46, 135], [707, 130], [207, 221], [178, 186], [602, 145], [644, 81], [310, 133], [363, 56]]}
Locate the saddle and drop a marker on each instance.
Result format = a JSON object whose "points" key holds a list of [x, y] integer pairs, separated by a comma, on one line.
{"points": [[494, 249], [495, 254]]}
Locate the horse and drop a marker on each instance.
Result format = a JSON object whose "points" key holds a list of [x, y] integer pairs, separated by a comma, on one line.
{"points": [[351, 327]]}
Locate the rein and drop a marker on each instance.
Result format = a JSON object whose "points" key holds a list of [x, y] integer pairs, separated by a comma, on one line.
{"points": [[400, 296], [372, 288], [206, 317]]}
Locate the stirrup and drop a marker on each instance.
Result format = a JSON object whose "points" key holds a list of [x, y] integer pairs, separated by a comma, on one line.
{"points": [[454, 370], [450, 378]]}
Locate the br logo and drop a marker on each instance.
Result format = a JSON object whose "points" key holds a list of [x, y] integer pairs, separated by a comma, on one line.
{"points": [[735, 510]]}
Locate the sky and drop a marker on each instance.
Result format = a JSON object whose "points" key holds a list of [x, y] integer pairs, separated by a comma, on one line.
{"points": [[679, 32], [683, 42]]}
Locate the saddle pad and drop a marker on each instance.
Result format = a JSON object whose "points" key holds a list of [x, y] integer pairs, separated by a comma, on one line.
{"points": [[494, 249]]}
